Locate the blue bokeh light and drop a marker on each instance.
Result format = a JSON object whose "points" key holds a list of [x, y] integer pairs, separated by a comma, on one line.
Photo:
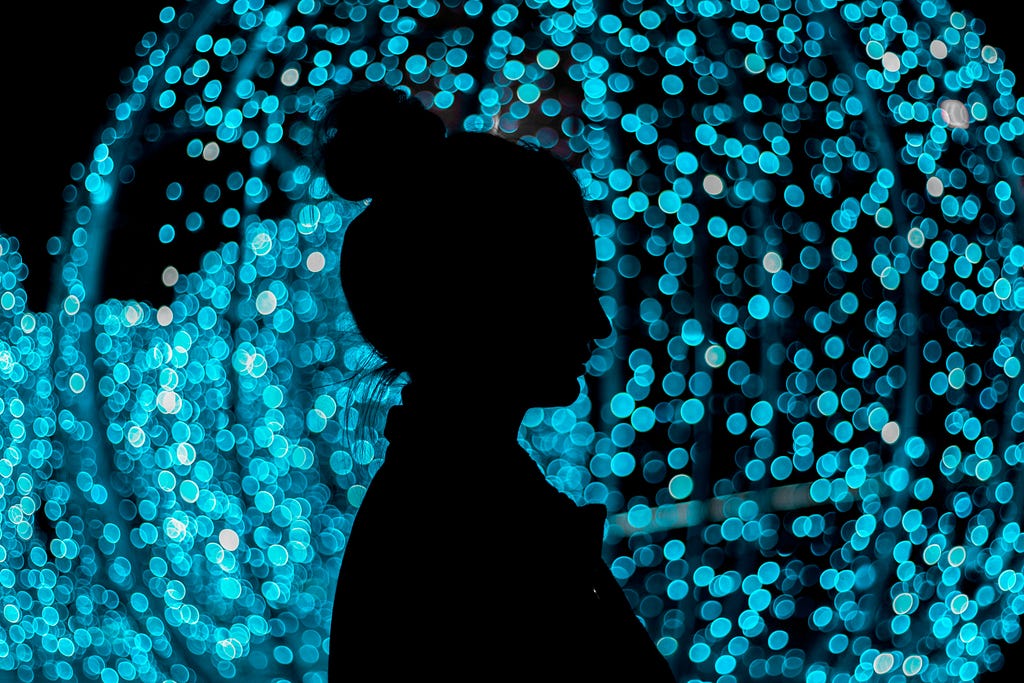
{"points": [[805, 425]]}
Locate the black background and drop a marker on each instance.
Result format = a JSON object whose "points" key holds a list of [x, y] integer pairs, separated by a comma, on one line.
{"points": [[60, 62]]}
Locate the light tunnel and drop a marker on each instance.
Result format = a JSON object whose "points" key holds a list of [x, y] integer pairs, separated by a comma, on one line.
{"points": [[805, 426]]}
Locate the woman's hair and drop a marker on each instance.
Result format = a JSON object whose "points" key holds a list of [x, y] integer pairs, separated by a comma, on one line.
{"points": [[463, 233]]}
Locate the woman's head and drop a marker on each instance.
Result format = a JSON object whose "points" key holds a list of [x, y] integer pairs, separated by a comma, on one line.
{"points": [[475, 256]]}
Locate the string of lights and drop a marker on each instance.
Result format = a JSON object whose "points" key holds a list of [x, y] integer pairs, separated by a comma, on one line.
{"points": [[804, 426]]}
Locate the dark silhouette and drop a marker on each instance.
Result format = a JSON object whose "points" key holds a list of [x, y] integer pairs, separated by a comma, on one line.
{"points": [[472, 271]]}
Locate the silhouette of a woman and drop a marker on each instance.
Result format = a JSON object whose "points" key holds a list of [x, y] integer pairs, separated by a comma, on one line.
{"points": [[472, 271]]}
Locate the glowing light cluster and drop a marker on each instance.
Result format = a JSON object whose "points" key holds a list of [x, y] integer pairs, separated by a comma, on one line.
{"points": [[805, 425]]}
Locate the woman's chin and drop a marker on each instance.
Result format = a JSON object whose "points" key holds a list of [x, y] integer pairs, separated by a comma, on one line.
{"points": [[551, 394]]}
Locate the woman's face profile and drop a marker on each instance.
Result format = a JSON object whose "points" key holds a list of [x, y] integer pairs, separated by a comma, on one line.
{"points": [[566, 344], [558, 317]]}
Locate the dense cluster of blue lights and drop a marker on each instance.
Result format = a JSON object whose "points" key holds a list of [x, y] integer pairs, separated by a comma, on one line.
{"points": [[805, 425]]}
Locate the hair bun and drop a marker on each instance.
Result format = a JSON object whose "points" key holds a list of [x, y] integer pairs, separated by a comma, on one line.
{"points": [[373, 136]]}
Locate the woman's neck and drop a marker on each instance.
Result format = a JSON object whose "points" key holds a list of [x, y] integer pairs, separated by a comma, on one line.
{"points": [[476, 412]]}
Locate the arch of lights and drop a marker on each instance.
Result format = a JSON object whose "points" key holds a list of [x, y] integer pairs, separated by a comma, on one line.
{"points": [[805, 426]]}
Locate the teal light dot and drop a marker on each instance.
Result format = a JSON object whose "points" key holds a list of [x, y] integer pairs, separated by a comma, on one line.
{"points": [[794, 195], [264, 502], [736, 423], [230, 588], [277, 554], [692, 411], [622, 405], [680, 486], [754, 63], [761, 413], [622, 464], [759, 307]]}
